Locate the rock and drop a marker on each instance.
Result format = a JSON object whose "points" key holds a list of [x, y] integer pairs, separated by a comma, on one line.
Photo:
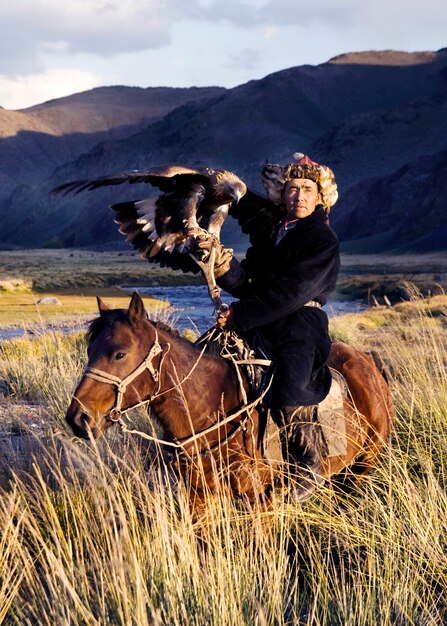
{"points": [[49, 300]]}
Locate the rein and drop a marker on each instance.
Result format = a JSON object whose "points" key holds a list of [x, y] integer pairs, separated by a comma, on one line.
{"points": [[180, 445]]}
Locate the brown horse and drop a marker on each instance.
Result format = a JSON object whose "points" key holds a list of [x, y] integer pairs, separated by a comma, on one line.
{"points": [[200, 400]]}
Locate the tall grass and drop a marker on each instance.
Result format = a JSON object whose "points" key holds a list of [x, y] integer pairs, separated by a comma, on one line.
{"points": [[44, 370], [102, 534]]}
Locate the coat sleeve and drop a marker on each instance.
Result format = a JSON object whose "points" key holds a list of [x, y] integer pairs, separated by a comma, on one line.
{"points": [[305, 279], [241, 278]]}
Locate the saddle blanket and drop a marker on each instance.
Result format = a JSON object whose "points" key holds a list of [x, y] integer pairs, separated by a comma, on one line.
{"points": [[331, 417]]}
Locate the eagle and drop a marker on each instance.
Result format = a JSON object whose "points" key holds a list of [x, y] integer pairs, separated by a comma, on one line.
{"points": [[192, 201]]}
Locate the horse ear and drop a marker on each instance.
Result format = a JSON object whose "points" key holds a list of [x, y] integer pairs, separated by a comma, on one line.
{"points": [[102, 306], [136, 310]]}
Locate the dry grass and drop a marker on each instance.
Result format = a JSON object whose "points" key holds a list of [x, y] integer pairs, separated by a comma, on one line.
{"points": [[23, 310], [75, 278], [410, 320], [99, 535], [16, 285]]}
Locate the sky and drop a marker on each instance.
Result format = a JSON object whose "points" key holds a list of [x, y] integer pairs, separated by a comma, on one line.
{"points": [[53, 48]]}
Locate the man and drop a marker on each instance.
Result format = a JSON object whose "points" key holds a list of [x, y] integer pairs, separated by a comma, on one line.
{"points": [[281, 284]]}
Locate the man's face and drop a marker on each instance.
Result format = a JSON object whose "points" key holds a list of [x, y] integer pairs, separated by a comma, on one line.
{"points": [[301, 197]]}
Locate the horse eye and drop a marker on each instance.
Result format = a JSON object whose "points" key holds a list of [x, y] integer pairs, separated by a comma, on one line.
{"points": [[119, 356]]}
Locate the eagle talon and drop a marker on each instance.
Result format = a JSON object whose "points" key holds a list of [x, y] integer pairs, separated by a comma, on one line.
{"points": [[202, 255], [201, 245], [196, 232]]}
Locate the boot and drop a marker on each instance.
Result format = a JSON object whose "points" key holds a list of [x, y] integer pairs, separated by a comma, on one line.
{"points": [[301, 442]]}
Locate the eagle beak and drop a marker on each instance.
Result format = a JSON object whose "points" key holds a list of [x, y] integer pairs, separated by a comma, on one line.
{"points": [[237, 195]]}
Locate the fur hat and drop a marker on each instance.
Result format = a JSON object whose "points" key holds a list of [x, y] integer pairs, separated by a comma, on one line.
{"points": [[275, 176]]}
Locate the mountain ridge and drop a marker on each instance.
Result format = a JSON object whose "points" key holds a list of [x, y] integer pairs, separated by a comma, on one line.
{"points": [[368, 115]]}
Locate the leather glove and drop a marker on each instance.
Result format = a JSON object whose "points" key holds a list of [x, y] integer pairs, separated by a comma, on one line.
{"points": [[222, 261], [203, 246], [225, 318]]}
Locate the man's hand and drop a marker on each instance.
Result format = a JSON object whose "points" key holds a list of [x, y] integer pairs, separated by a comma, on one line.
{"points": [[225, 317]]}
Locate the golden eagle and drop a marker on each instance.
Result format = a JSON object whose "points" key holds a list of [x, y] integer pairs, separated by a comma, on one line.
{"points": [[192, 200], [163, 228]]}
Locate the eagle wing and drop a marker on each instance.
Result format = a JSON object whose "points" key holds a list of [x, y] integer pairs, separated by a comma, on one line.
{"points": [[257, 215], [164, 177], [142, 223], [156, 226]]}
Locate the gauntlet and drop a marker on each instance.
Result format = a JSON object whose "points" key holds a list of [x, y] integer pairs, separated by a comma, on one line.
{"points": [[204, 243]]}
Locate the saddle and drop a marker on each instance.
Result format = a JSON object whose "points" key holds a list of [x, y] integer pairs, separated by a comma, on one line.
{"points": [[330, 416], [259, 372], [229, 345]]}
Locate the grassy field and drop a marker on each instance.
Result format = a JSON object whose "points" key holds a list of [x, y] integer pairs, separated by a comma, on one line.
{"points": [[22, 309], [393, 276], [64, 270], [96, 535]]}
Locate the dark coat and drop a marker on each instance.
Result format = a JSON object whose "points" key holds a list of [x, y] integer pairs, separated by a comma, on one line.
{"points": [[280, 280]]}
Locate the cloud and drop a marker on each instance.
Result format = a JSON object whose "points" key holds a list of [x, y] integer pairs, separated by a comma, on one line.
{"points": [[339, 14], [236, 12], [270, 32], [287, 12], [17, 93], [247, 59], [36, 34], [250, 13], [185, 42], [29, 29]]}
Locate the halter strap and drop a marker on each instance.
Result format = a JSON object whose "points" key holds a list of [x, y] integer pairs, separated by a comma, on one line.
{"points": [[121, 384], [180, 445]]}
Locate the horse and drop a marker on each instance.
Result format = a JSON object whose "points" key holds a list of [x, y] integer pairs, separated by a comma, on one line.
{"points": [[200, 399]]}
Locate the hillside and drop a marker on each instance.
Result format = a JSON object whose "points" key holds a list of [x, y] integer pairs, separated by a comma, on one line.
{"points": [[378, 118], [35, 141]]}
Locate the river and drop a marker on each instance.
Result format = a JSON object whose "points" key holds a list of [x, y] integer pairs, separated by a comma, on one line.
{"points": [[190, 309], [190, 305]]}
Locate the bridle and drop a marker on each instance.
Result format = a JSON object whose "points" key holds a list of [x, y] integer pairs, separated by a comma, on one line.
{"points": [[121, 384], [116, 413]]}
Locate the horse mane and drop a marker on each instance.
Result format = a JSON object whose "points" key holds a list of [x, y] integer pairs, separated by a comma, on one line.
{"points": [[107, 319], [175, 334], [165, 328]]}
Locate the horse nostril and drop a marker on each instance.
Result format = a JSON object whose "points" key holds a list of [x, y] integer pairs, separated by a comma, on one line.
{"points": [[81, 423], [78, 422]]}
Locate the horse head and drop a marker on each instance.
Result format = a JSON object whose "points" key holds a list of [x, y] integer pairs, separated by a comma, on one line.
{"points": [[122, 370]]}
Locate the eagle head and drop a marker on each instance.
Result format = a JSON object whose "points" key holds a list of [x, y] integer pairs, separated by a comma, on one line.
{"points": [[229, 187]]}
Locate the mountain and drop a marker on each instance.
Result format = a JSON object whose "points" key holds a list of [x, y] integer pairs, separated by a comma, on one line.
{"points": [[37, 140], [379, 119]]}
